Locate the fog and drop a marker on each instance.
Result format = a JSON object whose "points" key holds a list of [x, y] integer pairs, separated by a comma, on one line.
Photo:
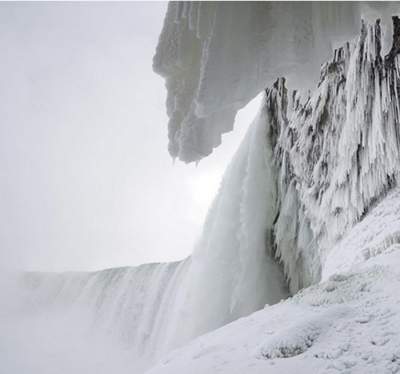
{"points": [[86, 179], [38, 338]]}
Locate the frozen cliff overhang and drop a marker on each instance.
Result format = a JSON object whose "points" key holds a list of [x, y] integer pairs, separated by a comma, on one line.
{"points": [[215, 57]]}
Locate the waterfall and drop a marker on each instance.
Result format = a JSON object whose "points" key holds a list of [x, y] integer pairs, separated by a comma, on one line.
{"points": [[310, 167]]}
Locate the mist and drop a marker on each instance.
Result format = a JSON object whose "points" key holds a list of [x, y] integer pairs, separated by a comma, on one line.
{"points": [[86, 179]]}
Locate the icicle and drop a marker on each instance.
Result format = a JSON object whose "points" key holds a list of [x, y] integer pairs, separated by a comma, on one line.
{"points": [[340, 148]]}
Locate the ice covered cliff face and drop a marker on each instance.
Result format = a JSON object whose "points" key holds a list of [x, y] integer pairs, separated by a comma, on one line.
{"points": [[217, 56], [336, 151]]}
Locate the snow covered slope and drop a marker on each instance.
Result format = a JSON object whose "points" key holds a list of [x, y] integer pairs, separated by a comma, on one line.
{"points": [[217, 56], [347, 324]]}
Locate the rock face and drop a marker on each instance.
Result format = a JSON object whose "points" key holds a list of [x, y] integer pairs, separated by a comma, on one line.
{"points": [[336, 151]]}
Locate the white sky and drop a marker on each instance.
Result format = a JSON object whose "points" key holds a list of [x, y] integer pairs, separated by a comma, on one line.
{"points": [[86, 181]]}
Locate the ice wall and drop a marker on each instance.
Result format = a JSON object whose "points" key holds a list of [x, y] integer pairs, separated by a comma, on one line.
{"points": [[336, 151], [217, 56]]}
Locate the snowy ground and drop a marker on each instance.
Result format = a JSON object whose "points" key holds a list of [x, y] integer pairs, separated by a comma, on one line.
{"points": [[350, 323]]}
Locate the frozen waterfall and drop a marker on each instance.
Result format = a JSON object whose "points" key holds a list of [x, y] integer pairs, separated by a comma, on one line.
{"points": [[311, 166], [232, 272]]}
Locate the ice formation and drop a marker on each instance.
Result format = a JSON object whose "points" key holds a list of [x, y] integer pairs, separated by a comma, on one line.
{"points": [[337, 151], [217, 56]]}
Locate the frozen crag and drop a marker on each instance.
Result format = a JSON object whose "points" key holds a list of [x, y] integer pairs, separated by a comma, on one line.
{"points": [[336, 151], [216, 57]]}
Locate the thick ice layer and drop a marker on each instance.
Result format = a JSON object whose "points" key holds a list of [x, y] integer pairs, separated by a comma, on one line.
{"points": [[216, 57]]}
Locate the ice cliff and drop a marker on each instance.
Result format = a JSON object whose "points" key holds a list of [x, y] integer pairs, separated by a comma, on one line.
{"points": [[337, 151]]}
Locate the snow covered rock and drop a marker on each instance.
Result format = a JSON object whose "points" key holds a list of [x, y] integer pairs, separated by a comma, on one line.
{"points": [[337, 151]]}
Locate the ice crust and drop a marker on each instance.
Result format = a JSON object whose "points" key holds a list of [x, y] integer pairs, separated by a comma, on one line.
{"points": [[217, 56]]}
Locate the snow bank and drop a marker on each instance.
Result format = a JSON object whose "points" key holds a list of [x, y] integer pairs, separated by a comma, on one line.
{"points": [[216, 57], [377, 233]]}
